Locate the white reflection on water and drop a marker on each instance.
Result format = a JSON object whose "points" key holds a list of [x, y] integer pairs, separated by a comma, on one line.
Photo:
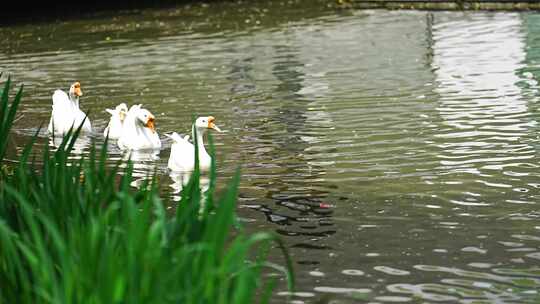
{"points": [[144, 165], [180, 180], [476, 62], [81, 145], [149, 155], [485, 119]]}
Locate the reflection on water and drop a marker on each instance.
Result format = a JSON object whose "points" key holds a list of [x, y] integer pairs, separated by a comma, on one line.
{"points": [[80, 146], [144, 164], [394, 152], [150, 155], [486, 121], [181, 179]]}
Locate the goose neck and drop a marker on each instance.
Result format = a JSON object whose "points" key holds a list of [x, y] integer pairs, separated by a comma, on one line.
{"points": [[131, 126], [199, 134], [74, 100]]}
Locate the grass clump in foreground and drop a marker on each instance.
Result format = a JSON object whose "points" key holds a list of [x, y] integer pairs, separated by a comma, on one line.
{"points": [[70, 232]]}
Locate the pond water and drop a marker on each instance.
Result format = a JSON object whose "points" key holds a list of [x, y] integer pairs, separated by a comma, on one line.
{"points": [[395, 152]]}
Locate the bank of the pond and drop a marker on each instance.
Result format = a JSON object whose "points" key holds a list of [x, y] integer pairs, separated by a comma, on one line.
{"points": [[21, 12], [508, 5]]}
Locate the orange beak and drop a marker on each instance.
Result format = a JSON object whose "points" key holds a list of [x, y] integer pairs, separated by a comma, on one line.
{"points": [[150, 124], [211, 124], [78, 91]]}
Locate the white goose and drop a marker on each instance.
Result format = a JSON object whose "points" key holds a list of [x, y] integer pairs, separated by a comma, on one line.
{"points": [[114, 128], [182, 156], [66, 113], [138, 131]]}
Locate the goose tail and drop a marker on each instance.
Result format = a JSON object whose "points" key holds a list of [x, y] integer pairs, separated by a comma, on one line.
{"points": [[177, 138]]}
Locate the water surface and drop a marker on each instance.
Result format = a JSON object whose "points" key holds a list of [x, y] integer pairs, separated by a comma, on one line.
{"points": [[396, 152]]}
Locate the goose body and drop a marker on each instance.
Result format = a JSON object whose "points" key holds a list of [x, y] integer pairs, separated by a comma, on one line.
{"points": [[138, 130], [182, 157], [66, 112], [116, 123]]}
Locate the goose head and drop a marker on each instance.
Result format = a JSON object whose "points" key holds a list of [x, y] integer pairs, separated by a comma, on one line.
{"points": [[75, 90], [204, 123], [120, 111], [147, 119]]}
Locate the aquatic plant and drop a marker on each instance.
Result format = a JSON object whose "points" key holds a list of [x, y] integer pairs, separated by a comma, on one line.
{"points": [[75, 231]]}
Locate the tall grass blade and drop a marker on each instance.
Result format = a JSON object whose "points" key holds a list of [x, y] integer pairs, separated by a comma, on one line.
{"points": [[7, 115]]}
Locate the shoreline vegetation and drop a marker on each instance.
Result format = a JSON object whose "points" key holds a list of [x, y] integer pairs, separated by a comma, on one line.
{"points": [[75, 231]]}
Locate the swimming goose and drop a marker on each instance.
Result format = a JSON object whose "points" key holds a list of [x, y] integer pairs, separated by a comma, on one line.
{"points": [[138, 131], [114, 128], [182, 156], [66, 113]]}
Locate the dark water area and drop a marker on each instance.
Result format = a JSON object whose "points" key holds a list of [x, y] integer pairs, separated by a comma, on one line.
{"points": [[395, 152], [21, 12]]}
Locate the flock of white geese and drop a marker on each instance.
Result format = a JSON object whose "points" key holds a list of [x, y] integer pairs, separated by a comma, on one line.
{"points": [[132, 129]]}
